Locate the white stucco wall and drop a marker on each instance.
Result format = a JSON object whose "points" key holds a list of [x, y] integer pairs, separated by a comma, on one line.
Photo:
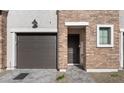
{"points": [[24, 18], [21, 21]]}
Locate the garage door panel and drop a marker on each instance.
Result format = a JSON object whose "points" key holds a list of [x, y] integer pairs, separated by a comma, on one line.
{"points": [[36, 51]]}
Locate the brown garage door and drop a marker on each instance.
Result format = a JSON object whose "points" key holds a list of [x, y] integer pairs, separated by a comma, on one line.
{"points": [[36, 51]]}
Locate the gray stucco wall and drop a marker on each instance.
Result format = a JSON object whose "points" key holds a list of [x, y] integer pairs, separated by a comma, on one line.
{"points": [[121, 18], [24, 18]]}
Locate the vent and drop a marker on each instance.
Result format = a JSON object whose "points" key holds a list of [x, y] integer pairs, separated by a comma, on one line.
{"points": [[21, 76]]}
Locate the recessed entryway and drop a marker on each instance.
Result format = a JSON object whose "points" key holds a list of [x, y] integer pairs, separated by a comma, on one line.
{"points": [[73, 49], [76, 46], [36, 51]]}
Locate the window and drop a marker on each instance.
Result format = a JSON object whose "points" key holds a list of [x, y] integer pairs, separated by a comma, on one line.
{"points": [[104, 35]]}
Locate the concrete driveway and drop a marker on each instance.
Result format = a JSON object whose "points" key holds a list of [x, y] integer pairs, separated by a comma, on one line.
{"points": [[74, 74]]}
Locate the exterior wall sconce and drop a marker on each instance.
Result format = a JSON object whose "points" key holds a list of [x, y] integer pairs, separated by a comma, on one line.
{"points": [[35, 24]]}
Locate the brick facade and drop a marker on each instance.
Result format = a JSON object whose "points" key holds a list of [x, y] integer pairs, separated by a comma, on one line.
{"points": [[3, 39], [95, 57]]}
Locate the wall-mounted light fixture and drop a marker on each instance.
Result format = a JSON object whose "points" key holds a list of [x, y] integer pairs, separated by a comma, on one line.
{"points": [[35, 24]]}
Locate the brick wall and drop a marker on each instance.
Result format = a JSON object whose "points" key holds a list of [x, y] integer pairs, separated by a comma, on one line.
{"points": [[103, 58], [3, 39]]}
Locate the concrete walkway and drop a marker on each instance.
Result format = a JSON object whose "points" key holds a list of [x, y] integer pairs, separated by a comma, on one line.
{"points": [[74, 74]]}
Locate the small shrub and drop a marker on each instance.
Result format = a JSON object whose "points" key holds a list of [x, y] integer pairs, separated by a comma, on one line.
{"points": [[60, 77], [114, 75]]}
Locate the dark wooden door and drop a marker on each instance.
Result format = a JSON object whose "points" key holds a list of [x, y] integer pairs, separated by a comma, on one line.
{"points": [[73, 48]]}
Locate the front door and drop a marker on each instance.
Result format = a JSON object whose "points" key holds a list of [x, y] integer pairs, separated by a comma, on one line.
{"points": [[73, 49]]}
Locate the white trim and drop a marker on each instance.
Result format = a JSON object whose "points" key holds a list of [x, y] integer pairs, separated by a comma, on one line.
{"points": [[72, 64], [121, 49], [102, 70], [33, 30], [13, 62], [76, 23], [62, 70], [10, 68], [112, 36], [122, 29]]}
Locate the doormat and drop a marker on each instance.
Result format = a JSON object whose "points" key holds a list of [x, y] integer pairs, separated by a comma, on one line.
{"points": [[21, 76]]}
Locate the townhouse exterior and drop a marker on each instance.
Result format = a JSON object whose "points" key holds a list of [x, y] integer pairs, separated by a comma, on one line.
{"points": [[53, 39]]}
